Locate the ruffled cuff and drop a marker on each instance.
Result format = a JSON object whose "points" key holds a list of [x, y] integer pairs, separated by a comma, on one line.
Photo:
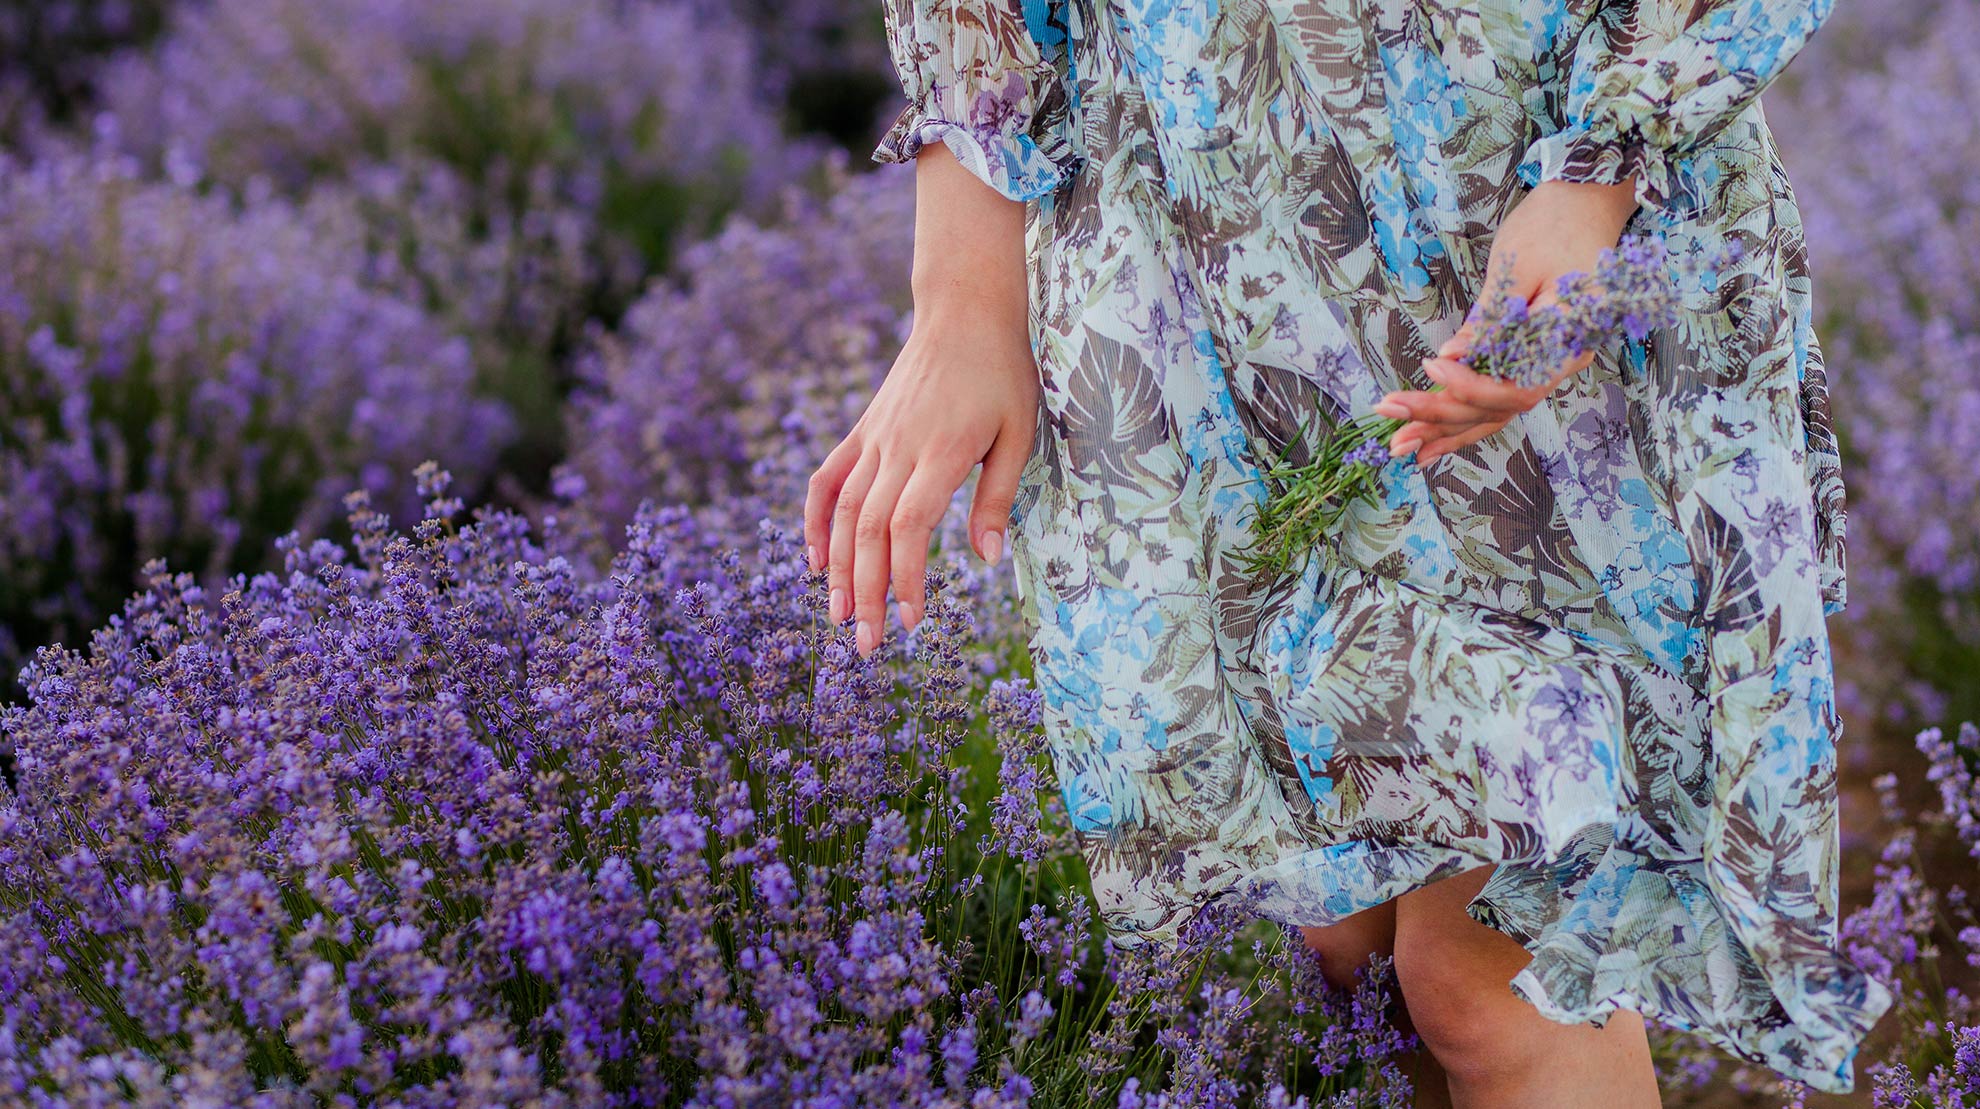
{"points": [[1003, 154], [1665, 183]]}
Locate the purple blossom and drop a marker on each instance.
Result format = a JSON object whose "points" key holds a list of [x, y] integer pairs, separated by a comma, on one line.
{"points": [[465, 813], [1882, 151], [524, 166], [757, 354], [190, 379], [1630, 292], [1370, 453]]}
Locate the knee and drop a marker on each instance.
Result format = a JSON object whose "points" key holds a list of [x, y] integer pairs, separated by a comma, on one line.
{"points": [[1345, 948], [1458, 1005]]}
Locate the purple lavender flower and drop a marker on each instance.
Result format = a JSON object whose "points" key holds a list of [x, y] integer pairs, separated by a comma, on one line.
{"points": [[767, 341], [190, 380], [524, 166], [1370, 453], [1891, 217], [1629, 293], [462, 814]]}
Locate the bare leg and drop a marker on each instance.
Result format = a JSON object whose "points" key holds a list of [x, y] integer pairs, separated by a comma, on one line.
{"points": [[1497, 1050], [1345, 948]]}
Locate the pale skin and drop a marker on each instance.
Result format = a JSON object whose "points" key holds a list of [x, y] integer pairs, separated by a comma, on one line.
{"points": [[964, 392]]}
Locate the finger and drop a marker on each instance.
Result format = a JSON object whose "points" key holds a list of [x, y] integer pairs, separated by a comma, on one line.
{"points": [[1443, 445], [1416, 434], [996, 491], [1407, 439], [1439, 408], [871, 560], [821, 494], [1458, 344], [842, 541], [916, 517], [1486, 394]]}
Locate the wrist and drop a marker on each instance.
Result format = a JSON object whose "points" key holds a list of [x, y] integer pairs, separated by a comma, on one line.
{"points": [[961, 299], [969, 247], [984, 330]]}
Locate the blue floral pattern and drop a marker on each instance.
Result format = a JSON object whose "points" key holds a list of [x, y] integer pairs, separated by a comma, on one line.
{"points": [[1589, 649]]}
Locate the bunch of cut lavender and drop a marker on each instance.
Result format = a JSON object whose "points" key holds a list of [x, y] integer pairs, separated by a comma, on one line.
{"points": [[1629, 293]]}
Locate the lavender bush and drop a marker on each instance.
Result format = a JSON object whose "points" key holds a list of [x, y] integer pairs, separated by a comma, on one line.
{"points": [[767, 330], [189, 379], [825, 61], [49, 50], [530, 162], [455, 817], [1883, 154]]}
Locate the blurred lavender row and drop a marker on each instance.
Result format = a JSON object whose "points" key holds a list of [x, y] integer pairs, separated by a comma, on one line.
{"points": [[565, 148], [495, 179], [190, 379], [1884, 151]]}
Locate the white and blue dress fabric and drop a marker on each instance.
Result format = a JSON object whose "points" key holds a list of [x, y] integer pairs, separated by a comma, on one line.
{"points": [[1589, 649]]}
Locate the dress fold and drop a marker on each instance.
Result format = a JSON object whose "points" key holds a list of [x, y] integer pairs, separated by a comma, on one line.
{"points": [[1590, 649]]}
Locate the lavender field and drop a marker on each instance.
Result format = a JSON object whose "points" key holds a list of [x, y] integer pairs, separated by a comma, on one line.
{"points": [[413, 690]]}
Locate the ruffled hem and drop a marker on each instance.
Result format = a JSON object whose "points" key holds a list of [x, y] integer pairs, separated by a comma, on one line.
{"points": [[1618, 910], [1581, 974]]}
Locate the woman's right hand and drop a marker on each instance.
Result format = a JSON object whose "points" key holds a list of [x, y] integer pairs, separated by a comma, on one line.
{"points": [[964, 390]]}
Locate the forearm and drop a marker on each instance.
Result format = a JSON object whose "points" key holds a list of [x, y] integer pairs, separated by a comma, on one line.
{"points": [[1603, 206], [968, 243]]}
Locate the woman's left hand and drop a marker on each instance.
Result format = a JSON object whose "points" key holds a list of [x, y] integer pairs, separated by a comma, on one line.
{"points": [[1559, 228]]}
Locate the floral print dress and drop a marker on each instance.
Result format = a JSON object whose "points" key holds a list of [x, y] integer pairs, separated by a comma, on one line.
{"points": [[1589, 649]]}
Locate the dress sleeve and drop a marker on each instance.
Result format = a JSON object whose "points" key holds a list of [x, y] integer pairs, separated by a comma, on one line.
{"points": [[1654, 81], [985, 77]]}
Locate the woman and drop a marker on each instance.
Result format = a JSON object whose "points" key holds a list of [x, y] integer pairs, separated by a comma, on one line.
{"points": [[1553, 725]]}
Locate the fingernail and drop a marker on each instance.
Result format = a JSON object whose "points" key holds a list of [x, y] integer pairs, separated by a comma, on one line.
{"points": [[910, 614], [1392, 411], [1434, 369], [811, 557], [838, 606], [864, 636], [993, 546], [1401, 447]]}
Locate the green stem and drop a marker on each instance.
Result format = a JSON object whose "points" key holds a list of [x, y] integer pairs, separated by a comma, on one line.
{"points": [[1306, 500]]}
